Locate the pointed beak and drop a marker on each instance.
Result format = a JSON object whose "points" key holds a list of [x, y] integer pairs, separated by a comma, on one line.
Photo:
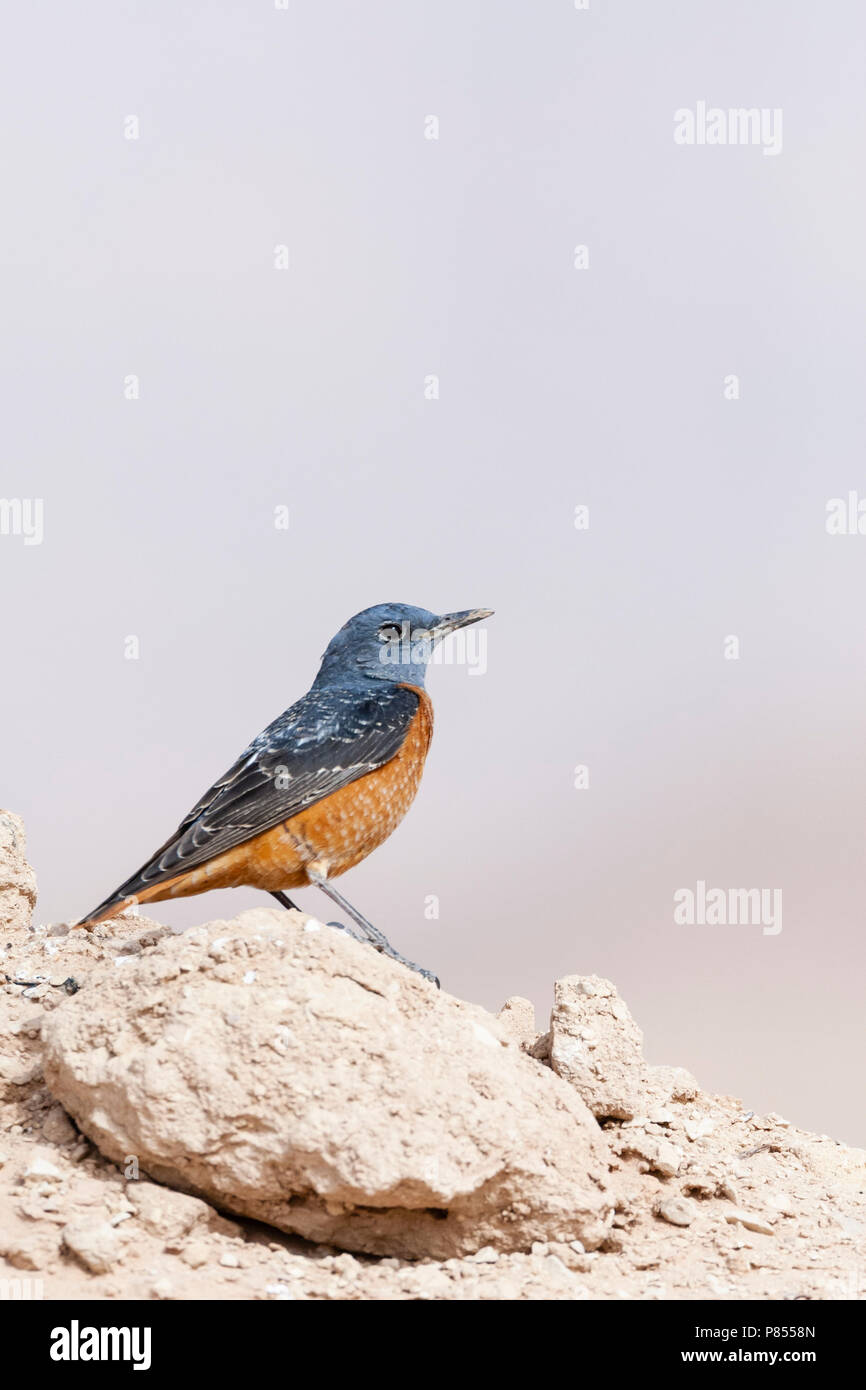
{"points": [[449, 622]]}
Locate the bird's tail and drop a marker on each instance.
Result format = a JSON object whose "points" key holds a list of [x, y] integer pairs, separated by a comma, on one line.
{"points": [[143, 886], [129, 894], [111, 907]]}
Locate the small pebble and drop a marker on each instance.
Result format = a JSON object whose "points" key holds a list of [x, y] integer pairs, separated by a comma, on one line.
{"points": [[195, 1254], [678, 1211], [486, 1255], [41, 1169], [748, 1219]]}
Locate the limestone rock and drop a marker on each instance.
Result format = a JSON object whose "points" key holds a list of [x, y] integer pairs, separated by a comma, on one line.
{"points": [[663, 1084], [17, 879], [95, 1244], [165, 1213], [517, 1017], [285, 1072], [596, 1046], [659, 1155]]}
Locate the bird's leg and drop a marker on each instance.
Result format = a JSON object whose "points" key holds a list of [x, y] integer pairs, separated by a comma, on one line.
{"points": [[372, 935], [286, 902]]}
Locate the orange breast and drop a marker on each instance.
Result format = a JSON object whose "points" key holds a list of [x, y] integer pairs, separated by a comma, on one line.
{"points": [[344, 827], [341, 830]]}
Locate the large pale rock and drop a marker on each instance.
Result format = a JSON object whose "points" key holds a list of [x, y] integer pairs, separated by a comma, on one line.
{"points": [[17, 879], [287, 1073]]}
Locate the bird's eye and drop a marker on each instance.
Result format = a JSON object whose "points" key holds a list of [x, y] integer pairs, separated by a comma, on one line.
{"points": [[388, 632]]}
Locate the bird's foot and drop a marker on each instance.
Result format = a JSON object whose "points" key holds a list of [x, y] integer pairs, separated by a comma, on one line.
{"points": [[353, 931], [410, 965], [385, 948], [317, 874]]}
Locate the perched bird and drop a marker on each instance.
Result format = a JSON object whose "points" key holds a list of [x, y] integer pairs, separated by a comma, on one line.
{"points": [[321, 786]]}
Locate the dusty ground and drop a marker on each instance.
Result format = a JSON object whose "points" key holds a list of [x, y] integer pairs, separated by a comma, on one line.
{"points": [[712, 1201]]}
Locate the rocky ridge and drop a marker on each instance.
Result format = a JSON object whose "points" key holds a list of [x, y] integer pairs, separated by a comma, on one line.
{"points": [[264, 1108]]}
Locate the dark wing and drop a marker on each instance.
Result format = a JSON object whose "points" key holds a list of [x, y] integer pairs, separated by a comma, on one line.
{"points": [[327, 740]]}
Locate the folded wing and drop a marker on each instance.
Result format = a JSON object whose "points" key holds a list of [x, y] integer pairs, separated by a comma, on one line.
{"points": [[327, 740]]}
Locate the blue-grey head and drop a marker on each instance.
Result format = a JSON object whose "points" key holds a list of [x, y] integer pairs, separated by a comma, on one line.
{"points": [[389, 642]]}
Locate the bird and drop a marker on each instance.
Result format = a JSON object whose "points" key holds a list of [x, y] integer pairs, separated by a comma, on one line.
{"points": [[322, 786]]}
